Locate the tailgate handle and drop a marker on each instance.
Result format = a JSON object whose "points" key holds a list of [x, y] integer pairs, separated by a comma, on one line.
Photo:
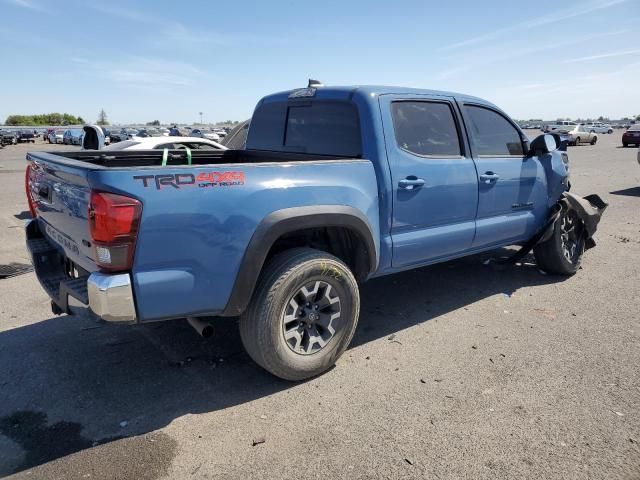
{"points": [[44, 192]]}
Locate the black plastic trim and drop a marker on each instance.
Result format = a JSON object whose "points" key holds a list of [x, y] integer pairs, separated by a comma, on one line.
{"points": [[287, 220]]}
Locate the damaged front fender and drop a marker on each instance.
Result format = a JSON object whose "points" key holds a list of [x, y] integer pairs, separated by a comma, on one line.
{"points": [[589, 209]]}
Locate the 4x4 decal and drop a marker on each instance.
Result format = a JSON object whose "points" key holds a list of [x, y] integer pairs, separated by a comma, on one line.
{"points": [[203, 180]]}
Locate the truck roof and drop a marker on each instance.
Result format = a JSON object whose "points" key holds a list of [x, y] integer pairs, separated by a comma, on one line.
{"points": [[369, 91]]}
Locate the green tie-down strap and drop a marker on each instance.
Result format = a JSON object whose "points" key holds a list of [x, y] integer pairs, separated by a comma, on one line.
{"points": [[165, 156]]}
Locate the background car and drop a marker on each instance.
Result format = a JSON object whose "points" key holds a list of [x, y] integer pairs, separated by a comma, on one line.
{"points": [[72, 136], [25, 136], [564, 125], [599, 128], [7, 137], [196, 132], [581, 134], [631, 136], [172, 143], [56, 136]]}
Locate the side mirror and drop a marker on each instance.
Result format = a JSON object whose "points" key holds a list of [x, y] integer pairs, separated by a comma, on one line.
{"points": [[93, 138], [543, 144]]}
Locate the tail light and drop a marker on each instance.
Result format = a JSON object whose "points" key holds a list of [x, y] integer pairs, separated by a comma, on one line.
{"points": [[113, 222], [27, 188]]}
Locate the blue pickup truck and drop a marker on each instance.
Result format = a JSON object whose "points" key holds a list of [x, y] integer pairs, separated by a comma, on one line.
{"points": [[336, 185]]}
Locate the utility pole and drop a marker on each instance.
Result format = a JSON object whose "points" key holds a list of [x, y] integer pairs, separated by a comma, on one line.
{"points": [[200, 117]]}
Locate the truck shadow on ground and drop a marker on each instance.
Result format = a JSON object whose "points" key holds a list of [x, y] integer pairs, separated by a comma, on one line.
{"points": [[69, 384], [629, 192]]}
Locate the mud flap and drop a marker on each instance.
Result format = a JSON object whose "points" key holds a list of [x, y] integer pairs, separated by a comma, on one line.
{"points": [[589, 209]]}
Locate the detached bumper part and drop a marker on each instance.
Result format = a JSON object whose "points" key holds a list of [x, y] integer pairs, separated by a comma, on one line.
{"points": [[111, 297]]}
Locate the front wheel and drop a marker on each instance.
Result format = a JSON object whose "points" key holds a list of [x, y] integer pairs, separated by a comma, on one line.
{"points": [[303, 314], [594, 140], [561, 254], [577, 142]]}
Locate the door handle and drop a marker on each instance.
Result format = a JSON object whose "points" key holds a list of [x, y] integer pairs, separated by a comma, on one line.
{"points": [[489, 177], [410, 183]]}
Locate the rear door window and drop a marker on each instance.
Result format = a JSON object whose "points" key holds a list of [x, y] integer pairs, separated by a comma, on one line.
{"points": [[426, 128], [492, 134]]}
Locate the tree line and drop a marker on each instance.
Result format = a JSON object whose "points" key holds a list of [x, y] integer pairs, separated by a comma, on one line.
{"points": [[44, 119]]}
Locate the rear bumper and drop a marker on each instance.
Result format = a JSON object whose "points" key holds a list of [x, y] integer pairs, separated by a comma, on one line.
{"points": [[106, 296]]}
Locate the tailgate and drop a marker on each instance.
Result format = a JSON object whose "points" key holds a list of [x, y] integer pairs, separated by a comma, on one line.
{"points": [[60, 193]]}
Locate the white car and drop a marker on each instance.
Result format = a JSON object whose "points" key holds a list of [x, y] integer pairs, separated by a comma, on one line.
{"points": [[581, 134], [598, 127], [56, 136], [172, 143]]}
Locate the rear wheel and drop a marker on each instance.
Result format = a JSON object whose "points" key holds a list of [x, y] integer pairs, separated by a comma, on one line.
{"points": [[577, 142], [303, 314], [562, 253]]}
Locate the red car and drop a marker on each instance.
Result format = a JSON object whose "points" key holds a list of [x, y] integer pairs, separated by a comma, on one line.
{"points": [[631, 136]]}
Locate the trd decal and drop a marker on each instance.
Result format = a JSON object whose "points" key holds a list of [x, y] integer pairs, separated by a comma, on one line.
{"points": [[204, 180]]}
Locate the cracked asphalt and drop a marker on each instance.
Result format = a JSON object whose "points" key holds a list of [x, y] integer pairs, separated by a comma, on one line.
{"points": [[456, 371]]}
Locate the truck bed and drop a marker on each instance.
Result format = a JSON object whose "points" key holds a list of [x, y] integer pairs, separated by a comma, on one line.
{"points": [[153, 158], [197, 221]]}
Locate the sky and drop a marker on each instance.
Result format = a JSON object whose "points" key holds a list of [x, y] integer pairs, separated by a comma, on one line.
{"points": [[143, 60]]}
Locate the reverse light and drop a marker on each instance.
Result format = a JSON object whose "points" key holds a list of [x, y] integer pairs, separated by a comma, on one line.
{"points": [[113, 223]]}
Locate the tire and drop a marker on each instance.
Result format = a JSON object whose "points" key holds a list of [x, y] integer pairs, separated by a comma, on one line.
{"points": [[609, 131], [577, 142], [288, 280], [594, 140], [561, 254]]}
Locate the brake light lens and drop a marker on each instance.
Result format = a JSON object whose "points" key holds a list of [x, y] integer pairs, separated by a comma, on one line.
{"points": [[27, 188], [113, 223]]}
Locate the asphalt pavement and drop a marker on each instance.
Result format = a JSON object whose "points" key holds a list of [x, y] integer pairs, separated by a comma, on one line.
{"points": [[458, 370]]}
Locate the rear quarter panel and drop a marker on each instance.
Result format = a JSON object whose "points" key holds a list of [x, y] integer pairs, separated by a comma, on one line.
{"points": [[192, 239]]}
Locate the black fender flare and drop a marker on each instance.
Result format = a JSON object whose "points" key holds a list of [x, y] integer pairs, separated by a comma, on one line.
{"points": [[287, 220]]}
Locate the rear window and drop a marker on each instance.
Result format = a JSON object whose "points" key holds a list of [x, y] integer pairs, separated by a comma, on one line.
{"points": [[318, 127]]}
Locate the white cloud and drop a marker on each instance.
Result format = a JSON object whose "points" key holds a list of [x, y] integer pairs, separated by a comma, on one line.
{"points": [[28, 4], [623, 53], [575, 10]]}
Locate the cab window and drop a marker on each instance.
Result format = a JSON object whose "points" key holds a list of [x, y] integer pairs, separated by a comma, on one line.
{"points": [[492, 134], [426, 128]]}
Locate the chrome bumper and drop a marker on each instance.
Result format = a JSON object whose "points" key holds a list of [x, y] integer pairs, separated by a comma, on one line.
{"points": [[111, 297]]}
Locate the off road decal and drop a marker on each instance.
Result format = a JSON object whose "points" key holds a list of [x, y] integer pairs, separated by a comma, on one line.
{"points": [[203, 180]]}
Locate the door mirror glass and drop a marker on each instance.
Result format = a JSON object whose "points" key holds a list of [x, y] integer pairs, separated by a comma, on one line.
{"points": [[544, 144]]}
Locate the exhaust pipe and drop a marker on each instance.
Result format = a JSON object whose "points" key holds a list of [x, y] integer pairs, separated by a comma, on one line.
{"points": [[204, 329]]}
